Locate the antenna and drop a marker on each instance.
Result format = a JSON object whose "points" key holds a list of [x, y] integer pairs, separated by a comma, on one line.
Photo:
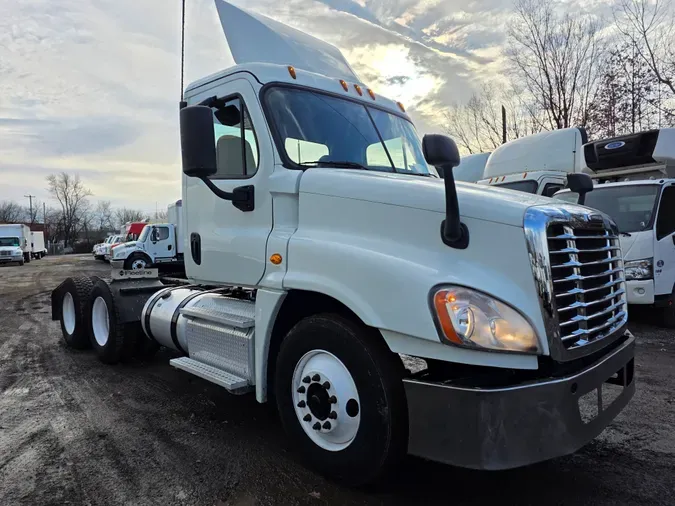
{"points": [[182, 54]]}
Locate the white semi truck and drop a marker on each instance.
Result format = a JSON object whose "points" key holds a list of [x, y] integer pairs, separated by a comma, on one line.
{"points": [[15, 238], [159, 244], [537, 163], [318, 255], [635, 185]]}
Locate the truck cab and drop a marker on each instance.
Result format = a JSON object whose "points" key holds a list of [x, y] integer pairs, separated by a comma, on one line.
{"points": [[323, 252], [635, 185], [537, 163]]}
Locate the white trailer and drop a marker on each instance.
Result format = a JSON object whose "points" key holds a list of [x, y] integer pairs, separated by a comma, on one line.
{"points": [[311, 274], [159, 244], [37, 242], [14, 236], [635, 185]]}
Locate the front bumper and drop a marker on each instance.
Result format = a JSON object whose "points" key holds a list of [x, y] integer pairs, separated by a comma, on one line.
{"points": [[10, 258], [640, 291], [507, 427]]}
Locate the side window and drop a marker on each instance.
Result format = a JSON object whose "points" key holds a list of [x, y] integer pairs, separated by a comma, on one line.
{"points": [[236, 143], [550, 189], [665, 221], [300, 150], [527, 186], [162, 233]]}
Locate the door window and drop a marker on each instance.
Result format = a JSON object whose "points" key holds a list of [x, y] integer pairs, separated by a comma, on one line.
{"points": [[160, 233], [665, 221], [551, 188], [236, 144]]}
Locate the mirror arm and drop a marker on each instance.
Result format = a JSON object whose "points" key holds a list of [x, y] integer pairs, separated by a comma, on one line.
{"points": [[242, 197], [454, 233]]}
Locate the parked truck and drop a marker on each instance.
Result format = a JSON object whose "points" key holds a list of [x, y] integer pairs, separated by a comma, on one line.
{"points": [[635, 185], [318, 256], [537, 163], [37, 244], [159, 244], [15, 237]]}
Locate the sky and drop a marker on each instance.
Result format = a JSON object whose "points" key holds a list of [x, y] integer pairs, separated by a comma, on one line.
{"points": [[92, 86]]}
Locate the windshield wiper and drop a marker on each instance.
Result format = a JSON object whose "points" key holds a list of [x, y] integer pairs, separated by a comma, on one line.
{"points": [[331, 163], [626, 234]]}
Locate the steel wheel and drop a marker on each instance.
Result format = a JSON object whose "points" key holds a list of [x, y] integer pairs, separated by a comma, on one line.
{"points": [[100, 321], [138, 264], [68, 313], [326, 400]]}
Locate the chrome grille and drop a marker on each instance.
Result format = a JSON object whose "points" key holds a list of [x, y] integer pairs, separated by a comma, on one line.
{"points": [[588, 282]]}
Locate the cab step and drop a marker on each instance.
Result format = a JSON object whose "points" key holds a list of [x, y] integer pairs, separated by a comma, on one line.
{"points": [[230, 382]]}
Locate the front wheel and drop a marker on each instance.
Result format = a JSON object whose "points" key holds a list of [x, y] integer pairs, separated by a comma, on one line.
{"points": [[340, 396], [136, 261]]}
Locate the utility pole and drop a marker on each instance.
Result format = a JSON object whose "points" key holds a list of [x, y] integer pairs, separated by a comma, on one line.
{"points": [[503, 125], [30, 199]]}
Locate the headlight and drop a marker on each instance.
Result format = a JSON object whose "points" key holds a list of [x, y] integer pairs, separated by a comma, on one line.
{"points": [[639, 269], [475, 320]]}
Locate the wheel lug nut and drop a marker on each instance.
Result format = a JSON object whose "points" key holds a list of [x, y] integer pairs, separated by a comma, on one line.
{"points": [[333, 399], [301, 404], [333, 415], [326, 425], [306, 379], [301, 390], [316, 377], [326, 385], [307, 418], [316, 426]]}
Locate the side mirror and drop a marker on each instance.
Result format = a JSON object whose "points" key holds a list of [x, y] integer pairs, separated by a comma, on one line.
{"points": [[198, 141], [441, 152], [580, 183]]}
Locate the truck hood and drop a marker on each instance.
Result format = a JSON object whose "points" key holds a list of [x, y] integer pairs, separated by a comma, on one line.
{"points": [[428, 193], [11, 248], [638, 246]]}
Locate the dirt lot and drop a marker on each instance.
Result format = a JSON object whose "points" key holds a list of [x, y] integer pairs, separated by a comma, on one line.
{"points": [[74, 431]]}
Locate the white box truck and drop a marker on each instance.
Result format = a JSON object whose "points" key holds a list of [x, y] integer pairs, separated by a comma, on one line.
{"points": [[312, 274], [37, 243], [635, 185], [159, 244], [15, 237]]}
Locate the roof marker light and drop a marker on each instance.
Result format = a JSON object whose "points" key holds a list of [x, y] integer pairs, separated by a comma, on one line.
{"points": [[371, 93], [400, 106], [291, 71], [524, 175], [344, 85], [358, 89]]}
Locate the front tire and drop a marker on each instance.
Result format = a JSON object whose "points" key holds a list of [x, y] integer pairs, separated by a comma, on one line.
{"points": [[137, 261], [341, 399], [75, 311]]}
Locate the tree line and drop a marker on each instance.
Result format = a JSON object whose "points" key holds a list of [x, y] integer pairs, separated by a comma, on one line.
{"points": [[71, 216], [570, 68]]}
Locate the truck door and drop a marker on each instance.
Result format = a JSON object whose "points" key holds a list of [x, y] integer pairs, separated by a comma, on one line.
{"points": [[161, 243], [664, 243], [223, 243]]}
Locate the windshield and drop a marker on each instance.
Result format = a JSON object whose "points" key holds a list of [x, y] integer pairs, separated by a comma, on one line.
{"points": [[631, 207], [319, 129], [144, 233], [9, 241]]}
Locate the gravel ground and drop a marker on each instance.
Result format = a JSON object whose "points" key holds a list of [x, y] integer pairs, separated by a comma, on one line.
{"points": [[74, 431]]}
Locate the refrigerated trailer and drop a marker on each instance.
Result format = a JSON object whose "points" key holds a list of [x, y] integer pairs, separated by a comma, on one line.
{"points": [[318, 256]]}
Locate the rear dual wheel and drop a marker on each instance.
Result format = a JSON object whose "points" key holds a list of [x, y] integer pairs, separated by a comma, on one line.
{"points": [[75, 293], [340, 396]]}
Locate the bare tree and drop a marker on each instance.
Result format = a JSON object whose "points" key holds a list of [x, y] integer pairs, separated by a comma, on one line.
{"points": [[162, 215], [125, 215], [31, 214], [650, 26], [103, 216], [558, 59], [10, 212], [477, 125], [72, 196]]}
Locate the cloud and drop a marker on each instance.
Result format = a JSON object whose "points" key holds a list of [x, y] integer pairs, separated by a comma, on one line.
{"points": [[93, 87]]}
